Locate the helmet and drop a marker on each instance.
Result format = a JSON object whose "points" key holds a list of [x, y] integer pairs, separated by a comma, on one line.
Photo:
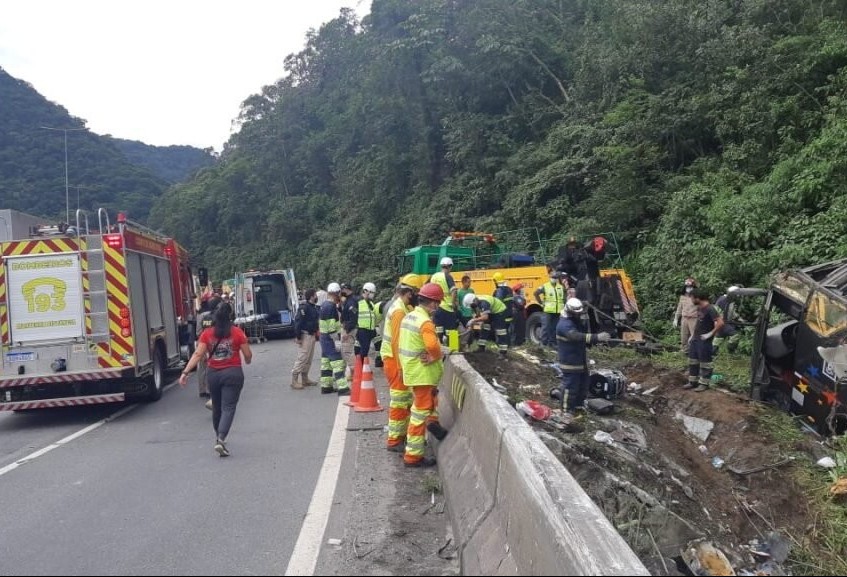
{"points": [[574, 305], [469, 300], [517, 286], [370, 287], [411, 281], [498, 277], [346, 286], [333, 288], [446, 261], [432, 292]]}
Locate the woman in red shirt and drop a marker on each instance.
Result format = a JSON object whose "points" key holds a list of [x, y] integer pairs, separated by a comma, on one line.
{"points": [[222, 345]]}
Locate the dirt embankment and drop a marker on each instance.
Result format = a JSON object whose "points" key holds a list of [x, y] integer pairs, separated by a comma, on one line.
{"points": [[676, 467]]}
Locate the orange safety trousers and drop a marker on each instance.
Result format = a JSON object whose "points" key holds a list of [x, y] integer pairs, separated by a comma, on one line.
{"points": [[424, 411], [400, 404]]}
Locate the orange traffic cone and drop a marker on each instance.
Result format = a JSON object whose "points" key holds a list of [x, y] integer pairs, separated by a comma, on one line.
{"points": [[357, 384], [368, 402]]}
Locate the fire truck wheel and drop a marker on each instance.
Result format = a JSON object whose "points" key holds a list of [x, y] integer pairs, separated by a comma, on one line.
{"points": [[156, 382], [535, 327]]}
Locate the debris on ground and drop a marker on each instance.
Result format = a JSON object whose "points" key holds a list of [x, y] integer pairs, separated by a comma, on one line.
{"points": [[676, 470], [827, 463]]}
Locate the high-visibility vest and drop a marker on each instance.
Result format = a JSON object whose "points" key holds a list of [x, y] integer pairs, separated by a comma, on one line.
{"points": [[367, 315], [415, 372], [385, 349], [554, 298], [328, 326], [440, 279], [497, 305]]}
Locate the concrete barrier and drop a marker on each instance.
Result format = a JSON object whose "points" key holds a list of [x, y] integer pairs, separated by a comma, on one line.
{"points": [[514, 507]]}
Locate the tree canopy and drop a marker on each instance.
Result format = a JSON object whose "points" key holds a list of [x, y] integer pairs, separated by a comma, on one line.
{"points": [[708, 134]]}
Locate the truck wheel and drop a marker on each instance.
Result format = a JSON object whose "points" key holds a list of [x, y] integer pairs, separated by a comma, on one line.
{"points": [[156, 382], [535, 328]]}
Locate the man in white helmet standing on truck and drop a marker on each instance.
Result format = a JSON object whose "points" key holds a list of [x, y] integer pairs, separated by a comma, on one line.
{"points": [[573, 340], [445, 317]]}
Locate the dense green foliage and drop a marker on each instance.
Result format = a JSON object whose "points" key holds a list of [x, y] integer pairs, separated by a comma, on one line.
{"points": [[170, 163], [709, 134], [32, 161]]}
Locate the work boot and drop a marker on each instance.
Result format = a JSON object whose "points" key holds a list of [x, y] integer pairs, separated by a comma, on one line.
{"points": [[437, 431], [425, 462], [344, 392], [401, 448], [688, 386], [307, 382], [295, 382], [701, 388], [327, 390]]}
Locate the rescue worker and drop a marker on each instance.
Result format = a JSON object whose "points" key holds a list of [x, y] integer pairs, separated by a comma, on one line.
{"points": [[504, 292], [465, 314], [422, 365], [349, 309], [686, 313], [332, 365], [551, 296], [701, 347], [400, 404], [305, 330], [445, 317], [573, 340], [490, 313], [520, 314], [366, 320]]}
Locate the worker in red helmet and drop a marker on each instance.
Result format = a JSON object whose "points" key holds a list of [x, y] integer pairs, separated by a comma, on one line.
{"points": [[422, 365]]}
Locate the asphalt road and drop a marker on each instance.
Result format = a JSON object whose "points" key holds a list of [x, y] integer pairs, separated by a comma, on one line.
{"points": [[145, 494]]}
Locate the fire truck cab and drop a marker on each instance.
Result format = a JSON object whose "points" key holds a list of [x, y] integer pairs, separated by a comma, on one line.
{"points": [[92, 315]]}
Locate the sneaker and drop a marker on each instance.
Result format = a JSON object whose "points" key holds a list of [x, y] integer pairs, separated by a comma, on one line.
{"points": [[344, 392], [423, 463], [327, 391], [220, 449], [688, 386], [437, 431], [401, 448], [209, 404], [701, 388]]}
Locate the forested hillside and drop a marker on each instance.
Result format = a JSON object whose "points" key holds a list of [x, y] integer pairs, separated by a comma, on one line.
{"points": [[710, 135], [170, 163], [32, 160]]}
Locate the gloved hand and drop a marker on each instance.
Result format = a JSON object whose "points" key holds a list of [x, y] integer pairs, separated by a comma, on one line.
{"points": [[707, 336], [604, 337], [676, 322]]}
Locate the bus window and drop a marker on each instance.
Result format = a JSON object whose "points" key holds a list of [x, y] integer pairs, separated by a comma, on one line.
{"points": [[826, 316]]}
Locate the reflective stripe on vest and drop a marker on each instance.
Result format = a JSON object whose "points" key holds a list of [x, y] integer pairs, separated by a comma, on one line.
{"points": [[385, 349], [554, 298], [415, 372], [440, 279], [497, 305], [367, 315]]}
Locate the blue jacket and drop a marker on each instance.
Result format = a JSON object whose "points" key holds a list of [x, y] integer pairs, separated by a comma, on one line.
{"points": [[573, 341], [307, 318]]}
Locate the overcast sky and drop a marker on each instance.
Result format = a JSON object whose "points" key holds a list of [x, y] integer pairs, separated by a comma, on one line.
{"points": [[163, 72]]}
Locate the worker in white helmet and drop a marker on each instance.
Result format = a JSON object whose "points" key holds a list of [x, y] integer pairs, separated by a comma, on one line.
{"points": [[446, 316], [573, 340], [367, 319], [332, 364]]}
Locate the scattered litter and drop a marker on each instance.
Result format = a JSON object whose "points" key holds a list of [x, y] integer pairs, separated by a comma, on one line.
{"points": [[604, 437], [718, 463], [334, 542], [705, 559], [634, 387], [498, 387], [556, 369], [698, 428], [762, 468], [535, 410], [600, 406], [839, 488], [703, 449], [649, 392], [827, 463]]}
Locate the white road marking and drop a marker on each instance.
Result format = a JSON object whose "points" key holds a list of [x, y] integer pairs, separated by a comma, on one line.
{"points": [[73, 437], [308, 547]]}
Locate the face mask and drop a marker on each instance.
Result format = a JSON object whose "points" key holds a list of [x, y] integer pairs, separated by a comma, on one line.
{"points": [[414, 300], [689, 290], [554, 280]]}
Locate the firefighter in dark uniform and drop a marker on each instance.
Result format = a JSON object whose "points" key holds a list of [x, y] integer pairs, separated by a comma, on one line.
{"points": [[701, 345], [573, 340]]}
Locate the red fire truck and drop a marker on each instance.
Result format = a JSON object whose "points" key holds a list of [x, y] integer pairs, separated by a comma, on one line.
{"points": [[90, 316]]}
